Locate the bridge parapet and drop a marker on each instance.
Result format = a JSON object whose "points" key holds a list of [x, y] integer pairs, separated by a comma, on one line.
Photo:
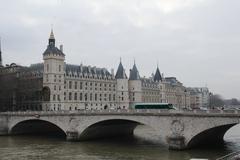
{"points": [[127, 112]]}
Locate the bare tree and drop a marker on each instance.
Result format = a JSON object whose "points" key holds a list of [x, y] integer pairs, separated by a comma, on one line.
{"points": [[216, 101]]}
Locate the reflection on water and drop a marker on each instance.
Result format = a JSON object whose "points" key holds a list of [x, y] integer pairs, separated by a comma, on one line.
{"points": [[144, 146]]}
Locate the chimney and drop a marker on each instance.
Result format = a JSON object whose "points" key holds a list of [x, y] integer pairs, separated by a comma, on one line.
{"points": [[112, 72], [61, 47]]}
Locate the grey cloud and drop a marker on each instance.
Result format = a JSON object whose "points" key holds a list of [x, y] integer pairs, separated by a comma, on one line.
{"points": [[195, 40]]}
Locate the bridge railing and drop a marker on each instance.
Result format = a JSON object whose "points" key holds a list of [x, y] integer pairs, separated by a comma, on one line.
{"points": [[124, 111]]}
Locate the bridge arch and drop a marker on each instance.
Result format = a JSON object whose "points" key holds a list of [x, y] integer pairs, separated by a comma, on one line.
{"points": [[213, 136], [36, 126], [110, 127]]}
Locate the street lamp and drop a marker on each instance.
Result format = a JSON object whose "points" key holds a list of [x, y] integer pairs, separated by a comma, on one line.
{"points": [[210, 100], [185, 93]]}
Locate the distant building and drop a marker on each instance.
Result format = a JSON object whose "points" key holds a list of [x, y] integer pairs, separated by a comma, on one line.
{"points": [[175, 93], [199, 97], [56, 85]]}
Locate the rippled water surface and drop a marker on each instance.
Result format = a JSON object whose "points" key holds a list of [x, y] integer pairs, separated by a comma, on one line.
{"points": [[144, 146]]}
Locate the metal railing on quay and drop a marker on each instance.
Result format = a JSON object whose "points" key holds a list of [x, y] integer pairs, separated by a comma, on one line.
{"points": [[230, 156]]}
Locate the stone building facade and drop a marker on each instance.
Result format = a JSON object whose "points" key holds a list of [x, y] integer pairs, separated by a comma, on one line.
{"points": [[56, 85], [199, 97]]}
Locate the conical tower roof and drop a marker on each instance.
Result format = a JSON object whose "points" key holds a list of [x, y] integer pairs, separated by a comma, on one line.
{"points": [[157, 76], [134, 74], [120, 72]]}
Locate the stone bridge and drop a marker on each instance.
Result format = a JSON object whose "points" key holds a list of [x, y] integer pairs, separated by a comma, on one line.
{"points": [[180, 129]]}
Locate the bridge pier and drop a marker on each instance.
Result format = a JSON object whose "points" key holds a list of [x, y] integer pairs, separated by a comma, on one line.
{"points": [[3, 125], [72, 136], [176, 143], [3, 131]]}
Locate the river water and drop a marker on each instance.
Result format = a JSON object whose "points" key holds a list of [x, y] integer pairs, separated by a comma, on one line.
{"points": [[144, 146]]}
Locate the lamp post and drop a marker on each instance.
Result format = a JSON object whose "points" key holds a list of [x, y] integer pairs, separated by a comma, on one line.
{"points": [[185, 94], [210, 100]]}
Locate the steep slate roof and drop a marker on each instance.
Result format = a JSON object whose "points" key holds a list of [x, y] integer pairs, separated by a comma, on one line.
{"points": [[134, 75], [51, 49], [120, 72], [171, 79], [157, 76], [80, 69], [36, 67], [69, 68]]}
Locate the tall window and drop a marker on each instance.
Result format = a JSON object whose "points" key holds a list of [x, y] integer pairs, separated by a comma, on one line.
{"points": [[76, 85], [70, 84], [95, 96], [81, 85], [59, 68], [75, 96], [90, 96], [54, 97], [81, 96], [105, 97], [70, 96], [85, 96]]}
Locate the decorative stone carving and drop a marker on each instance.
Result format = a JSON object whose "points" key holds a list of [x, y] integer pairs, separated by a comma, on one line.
{"points": [[177, 127]]}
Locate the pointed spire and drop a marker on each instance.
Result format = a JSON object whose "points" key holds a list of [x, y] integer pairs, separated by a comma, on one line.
{"points": [[134, 74], [157, 76], [51, 40], [51, 35], [120, 71]]}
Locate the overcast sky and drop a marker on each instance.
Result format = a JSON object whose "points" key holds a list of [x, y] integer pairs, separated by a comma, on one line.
{"points": [[197, 41]]}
